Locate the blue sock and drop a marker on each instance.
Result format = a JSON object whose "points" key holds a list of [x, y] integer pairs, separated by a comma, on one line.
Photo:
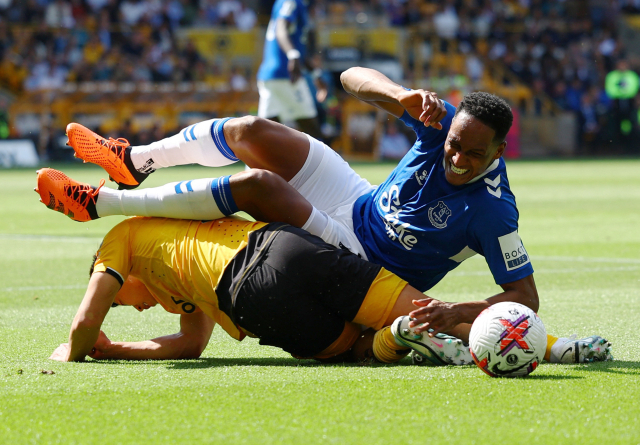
{"points": [[221, 191], [218, 138]]}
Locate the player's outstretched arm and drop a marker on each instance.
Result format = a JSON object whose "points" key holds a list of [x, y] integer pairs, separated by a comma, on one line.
{"points": [[374, 87], [86, 324], [194, 335], [443, 317]]}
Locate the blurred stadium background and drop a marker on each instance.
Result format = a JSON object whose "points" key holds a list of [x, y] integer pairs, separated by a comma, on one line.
{"points": [[143, 69]]}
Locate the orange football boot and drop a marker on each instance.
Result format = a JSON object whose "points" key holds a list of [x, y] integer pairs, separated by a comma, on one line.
{"points": [[111, 154], [61, 193]]}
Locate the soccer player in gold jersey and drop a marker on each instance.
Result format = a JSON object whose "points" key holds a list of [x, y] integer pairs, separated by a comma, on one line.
{"points": [[272, 281]]}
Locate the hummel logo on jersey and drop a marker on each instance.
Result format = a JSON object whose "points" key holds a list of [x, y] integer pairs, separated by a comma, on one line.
{"points": [[495, 183], [439, 215], [421, 177]]}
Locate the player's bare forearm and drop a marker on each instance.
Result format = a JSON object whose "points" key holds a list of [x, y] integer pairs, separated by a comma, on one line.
{"points": [[174, 346], [442, 316], [372, 86], [86, 324], [286, 45], [194, 335], [282, 36]]}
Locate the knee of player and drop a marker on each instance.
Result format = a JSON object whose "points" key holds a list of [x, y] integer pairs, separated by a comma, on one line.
{"points": [[256, 186], [265, 183], [244, 128]]}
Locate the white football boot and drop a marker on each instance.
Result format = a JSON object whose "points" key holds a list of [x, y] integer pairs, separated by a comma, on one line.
{"points": [[440, 350], [585, 350]]}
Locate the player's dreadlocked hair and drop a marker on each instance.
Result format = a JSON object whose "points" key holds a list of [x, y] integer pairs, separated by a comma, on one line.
{"points": [[489, 109]]}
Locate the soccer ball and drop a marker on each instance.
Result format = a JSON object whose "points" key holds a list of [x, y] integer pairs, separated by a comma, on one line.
{"points": [[508, 340]]}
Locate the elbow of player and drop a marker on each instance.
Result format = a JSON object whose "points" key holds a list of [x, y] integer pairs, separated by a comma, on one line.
{"points": [[344, 79], [343, 76], [534, 302], [193, 349]]}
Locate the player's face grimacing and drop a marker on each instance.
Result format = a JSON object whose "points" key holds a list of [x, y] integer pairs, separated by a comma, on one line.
{"points": [[469, 149], [134, 293]]}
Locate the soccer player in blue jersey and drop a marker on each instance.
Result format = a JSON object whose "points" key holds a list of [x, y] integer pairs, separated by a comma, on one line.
{"points": [[284, 92], [447, 200]]}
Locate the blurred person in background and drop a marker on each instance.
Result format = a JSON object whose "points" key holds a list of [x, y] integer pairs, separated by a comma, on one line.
{"points": [[393, 143], [284, 93], [622, 85]]}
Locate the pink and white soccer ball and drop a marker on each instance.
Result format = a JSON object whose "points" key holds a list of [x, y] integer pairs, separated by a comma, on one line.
{"points": [[508, 340]]}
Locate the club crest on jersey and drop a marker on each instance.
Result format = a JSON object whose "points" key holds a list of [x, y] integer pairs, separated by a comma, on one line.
{"points": [[439, 215]]}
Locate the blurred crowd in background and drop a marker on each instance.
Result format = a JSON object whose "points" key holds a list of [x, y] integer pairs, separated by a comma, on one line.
{"points": [[567, 50]]}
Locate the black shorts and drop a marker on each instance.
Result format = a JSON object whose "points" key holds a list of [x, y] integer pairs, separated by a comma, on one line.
{"points": [[293, 290]]}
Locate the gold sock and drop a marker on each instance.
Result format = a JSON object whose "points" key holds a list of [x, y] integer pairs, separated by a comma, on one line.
{"points": [[551, 340], [385, 348]]}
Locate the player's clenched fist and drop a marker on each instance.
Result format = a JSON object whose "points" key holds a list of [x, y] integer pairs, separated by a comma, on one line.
{"points": [[424, 106]]}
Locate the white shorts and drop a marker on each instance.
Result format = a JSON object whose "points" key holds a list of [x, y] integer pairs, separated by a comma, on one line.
{"points": [[332, 187], [286, 101]]}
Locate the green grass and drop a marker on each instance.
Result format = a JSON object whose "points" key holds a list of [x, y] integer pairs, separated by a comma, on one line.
{"points": [[580, 222]]}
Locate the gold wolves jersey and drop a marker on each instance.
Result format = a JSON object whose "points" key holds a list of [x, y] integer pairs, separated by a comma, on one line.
{"points": [[180, 261]]}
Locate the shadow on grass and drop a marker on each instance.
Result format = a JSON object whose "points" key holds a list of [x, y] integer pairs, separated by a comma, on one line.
{"points": [[218, 362], [289, 362], [614, 367]]}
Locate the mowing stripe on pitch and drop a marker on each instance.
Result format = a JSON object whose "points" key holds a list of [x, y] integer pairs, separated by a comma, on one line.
{"points": [[52, 238], [32, 288]]}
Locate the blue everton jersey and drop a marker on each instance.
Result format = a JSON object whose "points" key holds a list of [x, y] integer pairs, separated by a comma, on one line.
{"points": [[420, 227], [274, 60]]}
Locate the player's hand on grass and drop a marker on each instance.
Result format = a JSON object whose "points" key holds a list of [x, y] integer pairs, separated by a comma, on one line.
{"points": [[61, 354], [439, 316], [424, 106], [100, 348]]}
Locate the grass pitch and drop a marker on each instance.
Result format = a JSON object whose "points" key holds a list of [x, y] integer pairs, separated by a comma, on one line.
{"points": [[580, 221]]}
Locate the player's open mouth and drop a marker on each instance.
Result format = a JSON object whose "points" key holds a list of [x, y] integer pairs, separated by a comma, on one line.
{"points": [[456, 170]]}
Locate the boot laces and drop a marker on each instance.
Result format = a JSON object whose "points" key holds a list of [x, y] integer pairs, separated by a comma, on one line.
{"points": [[117, 146], [83, 193]]}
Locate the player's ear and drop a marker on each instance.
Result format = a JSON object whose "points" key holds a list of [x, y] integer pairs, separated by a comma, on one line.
{"points": [[500, 150]]}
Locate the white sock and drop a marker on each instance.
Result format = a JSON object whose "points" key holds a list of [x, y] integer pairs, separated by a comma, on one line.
{"points": [[200, 199], [202, 143], [317, 222], [321, 224]]}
